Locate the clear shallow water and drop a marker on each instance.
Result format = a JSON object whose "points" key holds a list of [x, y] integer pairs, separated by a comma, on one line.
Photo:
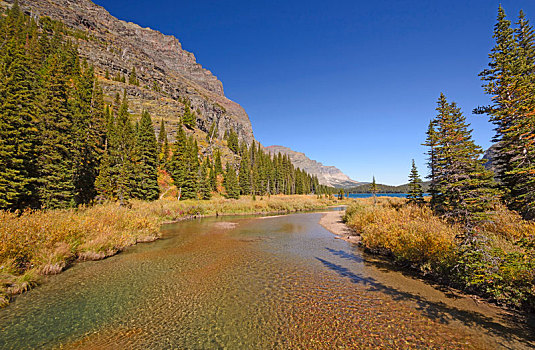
{"points": [[249, 283]]}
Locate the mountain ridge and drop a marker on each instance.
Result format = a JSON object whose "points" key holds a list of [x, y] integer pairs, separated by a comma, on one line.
{"points": [[167, 73]]}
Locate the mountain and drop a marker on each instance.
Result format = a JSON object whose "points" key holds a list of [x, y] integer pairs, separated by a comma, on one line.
{"points": [[327, 175], [167, 73], [489, 158]]}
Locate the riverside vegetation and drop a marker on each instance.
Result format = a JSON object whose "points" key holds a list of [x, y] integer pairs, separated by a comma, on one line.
{"points": [[477, 231], [67, 157]]}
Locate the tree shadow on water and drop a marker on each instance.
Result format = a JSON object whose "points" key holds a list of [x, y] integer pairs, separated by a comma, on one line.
{"points": [[345, 255], [439, 311]]}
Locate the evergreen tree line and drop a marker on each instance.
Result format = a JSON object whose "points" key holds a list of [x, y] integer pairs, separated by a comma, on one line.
{"points": [[256, 172], [461, 187], [59, 145]]}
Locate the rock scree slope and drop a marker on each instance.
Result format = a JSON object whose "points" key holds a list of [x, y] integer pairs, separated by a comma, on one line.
{"points": [[166, 72]]}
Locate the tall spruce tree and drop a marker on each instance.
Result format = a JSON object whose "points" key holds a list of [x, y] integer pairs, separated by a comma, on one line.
{"points": [[205, 188], [18, 126], [56, 188], [465, 190], [231, 183], [244, 177], [510, 80], [416, 194], [147, 154]]}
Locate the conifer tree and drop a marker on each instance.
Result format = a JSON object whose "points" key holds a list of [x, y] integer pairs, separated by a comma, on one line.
{"points": [[205, 188], [416, 194], [163, 146], [465, 190], [132, 77], [510, 80], [123, 149], [179, 159], [218, 167], [244, 177], [18, 168], [374, 190], [89, 128], [213, 179], [432, 143], [56, 188], [231, 183], [189, 119], [147, 149]]}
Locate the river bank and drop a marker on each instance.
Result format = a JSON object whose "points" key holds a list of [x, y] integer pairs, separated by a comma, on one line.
{"points": [[333, 221], [495, 260], [38, 243]]}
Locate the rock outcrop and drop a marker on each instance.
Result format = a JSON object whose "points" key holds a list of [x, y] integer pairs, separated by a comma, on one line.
{"points": [[165, 71], [327, 175]]}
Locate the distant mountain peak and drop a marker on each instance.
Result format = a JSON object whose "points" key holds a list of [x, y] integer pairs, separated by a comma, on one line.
{"points": [[327, 175]]}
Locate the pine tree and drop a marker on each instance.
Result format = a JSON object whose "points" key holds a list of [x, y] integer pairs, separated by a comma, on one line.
{"points": [[374, 190], [179, 159], [213, 179], [205, 188], [132, 77], [189, 119], [244, 177], [510, 80], [218, 167], [163, 146], [416, 194], [122, 150], [18, 168], [432, 142], [87, 107], [465, 190], [56, 188], [231, 183], [147, 149]]}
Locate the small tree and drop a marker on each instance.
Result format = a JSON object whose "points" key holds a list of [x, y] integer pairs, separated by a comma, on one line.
{"points": [[415, 195], [341, 194], [374, 190]]}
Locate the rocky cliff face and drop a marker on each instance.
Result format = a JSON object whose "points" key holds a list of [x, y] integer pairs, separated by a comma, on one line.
{"points": [[117, 47], [327, 175]]}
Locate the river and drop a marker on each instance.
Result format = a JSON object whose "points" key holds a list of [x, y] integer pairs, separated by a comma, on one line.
{"points": [[279, 282]]}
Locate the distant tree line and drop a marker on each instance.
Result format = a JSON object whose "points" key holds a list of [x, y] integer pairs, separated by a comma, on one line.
{"points": [[366, 188]]}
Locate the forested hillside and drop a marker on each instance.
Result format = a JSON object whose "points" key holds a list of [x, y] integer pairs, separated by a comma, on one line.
{"points": [[62, 144]]}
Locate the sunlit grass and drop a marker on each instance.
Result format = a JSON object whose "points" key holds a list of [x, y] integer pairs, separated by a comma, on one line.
{"points": [[496, 259]]}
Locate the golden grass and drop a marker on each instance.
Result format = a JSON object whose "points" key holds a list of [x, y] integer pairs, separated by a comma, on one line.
{"points": [[497, 262], [409, 233], [36, 243]]}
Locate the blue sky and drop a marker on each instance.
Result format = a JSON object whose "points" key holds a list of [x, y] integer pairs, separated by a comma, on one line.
{"points": [[350, 83]]}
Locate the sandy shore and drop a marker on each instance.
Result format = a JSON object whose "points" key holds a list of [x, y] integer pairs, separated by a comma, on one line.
{"points": [[332, 221]]}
